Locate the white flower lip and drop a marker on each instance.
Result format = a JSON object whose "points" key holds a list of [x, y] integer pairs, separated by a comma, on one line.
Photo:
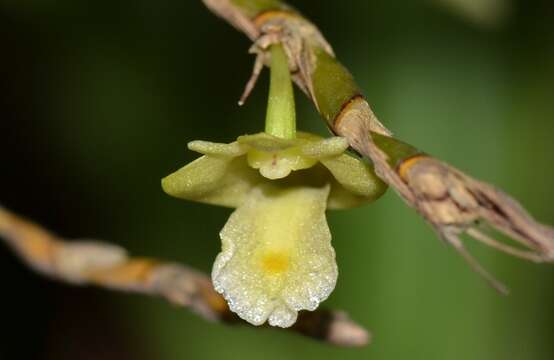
{"points": [[276, 257]]}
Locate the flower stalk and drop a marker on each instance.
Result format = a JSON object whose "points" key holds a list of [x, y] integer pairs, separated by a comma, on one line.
{"points": [[280, 119]]}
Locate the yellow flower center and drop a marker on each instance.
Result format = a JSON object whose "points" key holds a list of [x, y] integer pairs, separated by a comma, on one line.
{"points": [[275, 263]]}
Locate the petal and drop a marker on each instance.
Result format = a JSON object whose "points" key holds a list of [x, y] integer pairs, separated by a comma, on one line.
{"points": [[357, 178], [265, 142], [323, 148], [269, 143], [214, 180], [216, 149], [276, 256]]}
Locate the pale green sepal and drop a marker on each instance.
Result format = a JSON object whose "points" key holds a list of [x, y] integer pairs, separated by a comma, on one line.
{"points": [[356, 177], [212, 180]]}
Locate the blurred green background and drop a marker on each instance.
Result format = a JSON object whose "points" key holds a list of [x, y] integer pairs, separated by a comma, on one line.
{"points": [[98, 100]]}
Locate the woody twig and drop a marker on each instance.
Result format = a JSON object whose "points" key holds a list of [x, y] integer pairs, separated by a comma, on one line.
{"points": [[91, 262]]}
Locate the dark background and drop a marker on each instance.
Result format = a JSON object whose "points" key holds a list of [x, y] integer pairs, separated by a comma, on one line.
{"points": [[98, 100]]}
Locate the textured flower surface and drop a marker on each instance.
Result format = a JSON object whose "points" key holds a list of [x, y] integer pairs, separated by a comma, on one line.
{"points": [[273, 265], [276, 256]]}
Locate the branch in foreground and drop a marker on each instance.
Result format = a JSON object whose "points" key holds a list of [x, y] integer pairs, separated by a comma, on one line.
{"points": [[88, 262], [450, 201]]}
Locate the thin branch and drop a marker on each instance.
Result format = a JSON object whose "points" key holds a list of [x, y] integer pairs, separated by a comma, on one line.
{"points": [[91, 262]]}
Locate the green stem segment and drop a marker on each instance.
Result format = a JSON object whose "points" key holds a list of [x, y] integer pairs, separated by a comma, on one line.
{"points": [[333, 85], [280, 119], [396, 150]]}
